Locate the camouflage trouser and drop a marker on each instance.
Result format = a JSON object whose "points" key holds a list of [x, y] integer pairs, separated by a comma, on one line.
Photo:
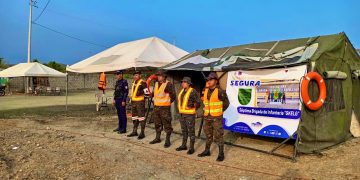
{"points": [[162, 118], [187, 123], [138, 110], [214, 130]]}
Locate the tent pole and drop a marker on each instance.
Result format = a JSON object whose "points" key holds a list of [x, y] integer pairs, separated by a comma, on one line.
{"points": [[202, 118], [66, 92]]}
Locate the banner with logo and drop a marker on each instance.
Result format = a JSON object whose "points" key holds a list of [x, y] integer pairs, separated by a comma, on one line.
{"points": [[264, 102]]}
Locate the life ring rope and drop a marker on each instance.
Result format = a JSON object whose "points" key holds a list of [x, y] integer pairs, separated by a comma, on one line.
{"points": [[305, 91]]}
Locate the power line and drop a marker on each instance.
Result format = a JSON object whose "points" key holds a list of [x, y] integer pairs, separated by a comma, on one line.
{"points": [[69, 36], [42, 11]]}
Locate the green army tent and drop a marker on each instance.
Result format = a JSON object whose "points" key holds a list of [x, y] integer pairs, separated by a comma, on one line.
{"points": [[317, 130]]}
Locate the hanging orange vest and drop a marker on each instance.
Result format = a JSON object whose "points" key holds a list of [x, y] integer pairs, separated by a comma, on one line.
{"points": [[134, 90], [214, 106], [160, 97], [102, 81], [182, 106]]}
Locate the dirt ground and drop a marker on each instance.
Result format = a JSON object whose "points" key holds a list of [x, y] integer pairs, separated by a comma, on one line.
{"points": [[40, 140]]}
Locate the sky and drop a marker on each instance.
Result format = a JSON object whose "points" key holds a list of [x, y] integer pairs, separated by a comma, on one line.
{"points": [[189, 24]]}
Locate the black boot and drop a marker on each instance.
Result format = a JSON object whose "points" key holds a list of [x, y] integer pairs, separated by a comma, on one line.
{"points": [[206, 152], [142, 133], [116, 130], [167, 140], [121, 132], [191, 150], [183, 145], [221, 155], [157, 138], [151, 120], [134, 132]]}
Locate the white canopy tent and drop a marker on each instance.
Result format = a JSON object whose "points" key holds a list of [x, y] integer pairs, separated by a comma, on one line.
{"points": [[148, 52], [31, 70]]}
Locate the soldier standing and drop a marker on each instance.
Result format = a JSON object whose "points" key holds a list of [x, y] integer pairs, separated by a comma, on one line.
{"points": [[120, 96], [138, 105], [215, 103], [188, 102], [164, 95]]}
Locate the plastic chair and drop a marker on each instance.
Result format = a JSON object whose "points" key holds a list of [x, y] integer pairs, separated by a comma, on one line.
{"points": [[48, 91], [57, 91]]}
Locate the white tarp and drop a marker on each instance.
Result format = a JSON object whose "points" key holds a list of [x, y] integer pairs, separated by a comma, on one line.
{"points": [[149, 52], [33, 69]]}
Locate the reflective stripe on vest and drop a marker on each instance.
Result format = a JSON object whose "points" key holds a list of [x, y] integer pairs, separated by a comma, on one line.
{"points": [[182, 105], [134, 90], [160, 97], [213, 106]]}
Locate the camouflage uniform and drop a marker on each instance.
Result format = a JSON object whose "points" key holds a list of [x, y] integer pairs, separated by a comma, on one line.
{"points": [[162, 114], [213, 126], [138, 111], [187, 121], [162, 117]]}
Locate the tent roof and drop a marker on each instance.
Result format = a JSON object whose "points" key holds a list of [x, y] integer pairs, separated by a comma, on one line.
{"points": [[258, 55], [33, 69], [150, 52]]}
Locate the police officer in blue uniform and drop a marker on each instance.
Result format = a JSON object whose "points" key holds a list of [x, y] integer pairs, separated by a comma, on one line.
{"points": [[120, 96]]}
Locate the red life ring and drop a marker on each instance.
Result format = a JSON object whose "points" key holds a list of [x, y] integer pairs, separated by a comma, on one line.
{"points": [[152, 77], [305, 91]]}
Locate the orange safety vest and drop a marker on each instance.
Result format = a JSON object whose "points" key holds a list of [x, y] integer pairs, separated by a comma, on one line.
{"points": [[182, 106], [202, 94], [102, 81], [213, 106], [160, 97], [134, 90]]}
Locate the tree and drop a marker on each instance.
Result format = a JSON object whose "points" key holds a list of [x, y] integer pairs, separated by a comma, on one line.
{"points": [[36, 60], [58, 66], [3, 64]]}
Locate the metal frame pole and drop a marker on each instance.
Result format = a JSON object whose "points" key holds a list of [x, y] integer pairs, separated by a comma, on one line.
{"points": [[29, 32], [66, 91], [29, 44]]}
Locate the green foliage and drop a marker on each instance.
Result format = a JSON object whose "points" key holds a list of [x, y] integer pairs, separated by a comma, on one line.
{"points": [[57, 66], [36, 60], [3, 64]]}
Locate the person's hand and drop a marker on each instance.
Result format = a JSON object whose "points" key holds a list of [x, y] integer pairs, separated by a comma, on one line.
{"points": [[113, 103], [123, 103]]}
